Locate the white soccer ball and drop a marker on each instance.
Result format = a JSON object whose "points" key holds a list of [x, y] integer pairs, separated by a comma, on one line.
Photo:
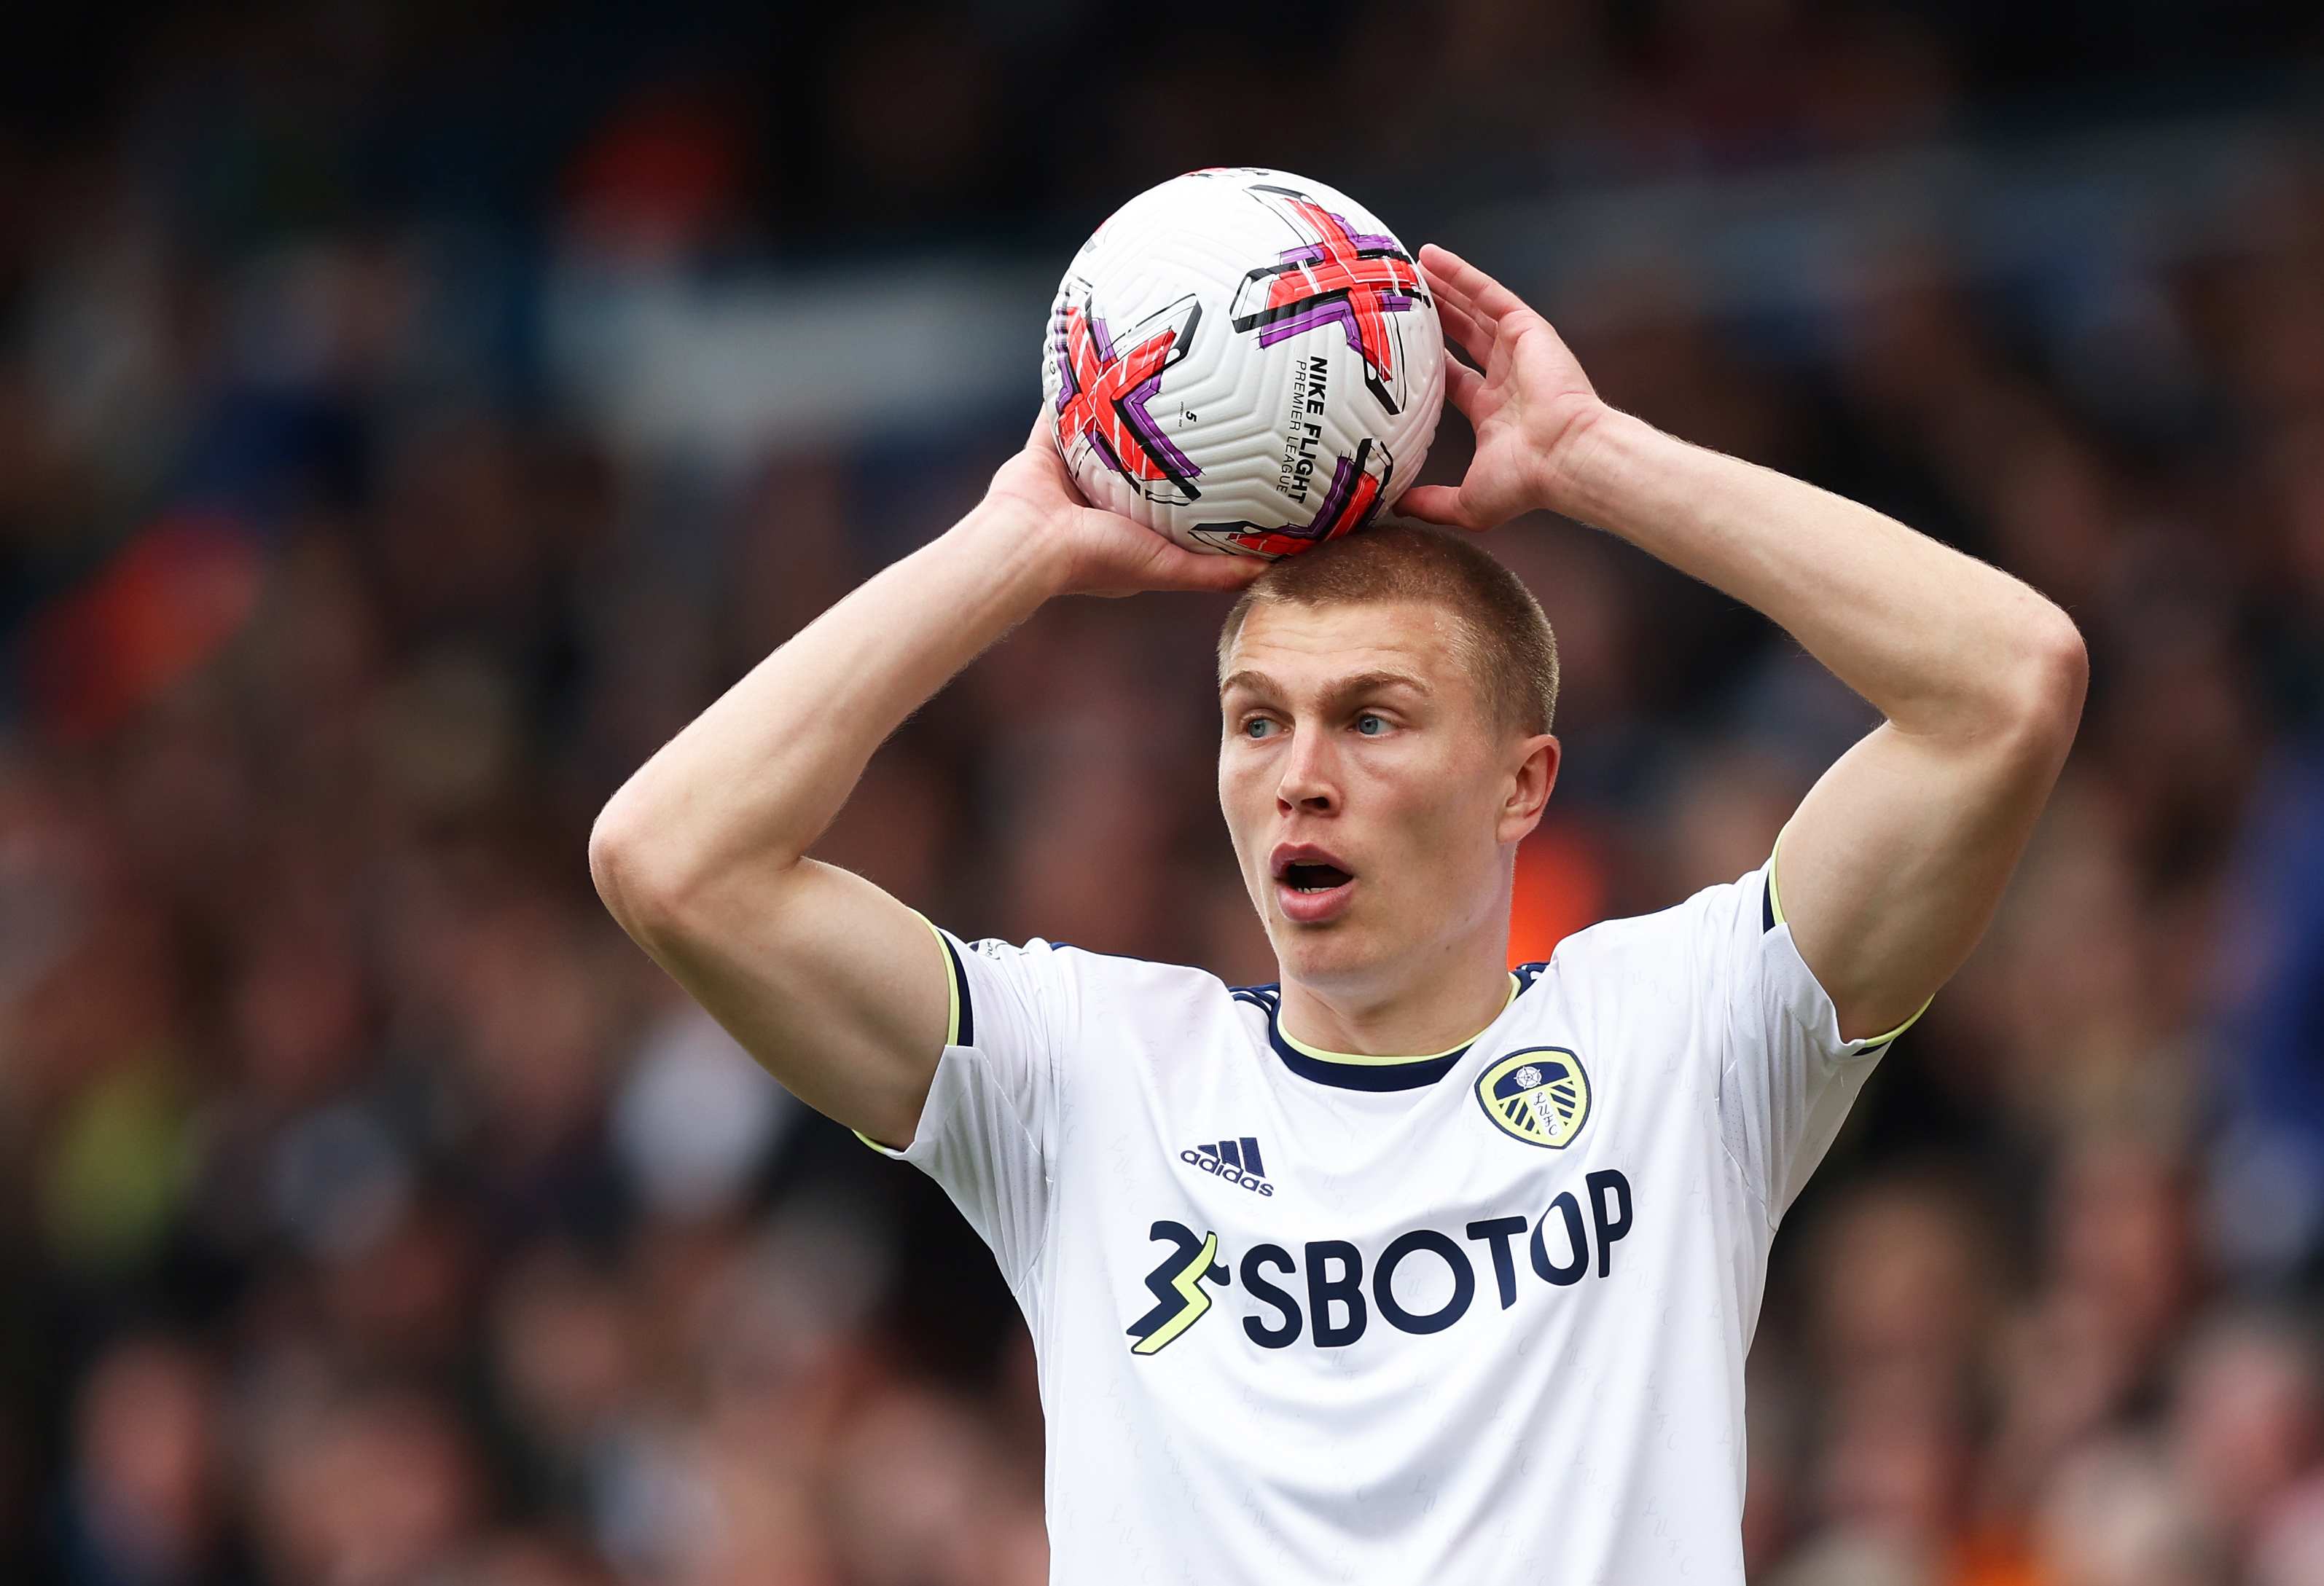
{"points": [[1244, 360]]}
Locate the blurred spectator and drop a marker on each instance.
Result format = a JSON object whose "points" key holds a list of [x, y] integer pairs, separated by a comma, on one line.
{"points": [[2117, 1515], [655, 185], [522, 1559], [2211, 1496], [920, 1498], [146, 1506], [697, 1119], [2268, 1191], [365, 1489], [2246, 1422], [374, 1216]]}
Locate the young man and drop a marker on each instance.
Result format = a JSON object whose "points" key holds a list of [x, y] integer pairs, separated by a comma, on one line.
{"points": [[1409, 1269]]}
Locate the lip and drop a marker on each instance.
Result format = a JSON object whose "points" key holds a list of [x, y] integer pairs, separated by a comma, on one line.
{"points": [[1310, 908]]}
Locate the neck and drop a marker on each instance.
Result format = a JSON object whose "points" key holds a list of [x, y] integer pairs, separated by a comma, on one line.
{"points": [[1434, 1008]]}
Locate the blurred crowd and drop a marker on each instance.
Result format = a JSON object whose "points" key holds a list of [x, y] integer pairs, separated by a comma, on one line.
{"points": [[373, 1214]]}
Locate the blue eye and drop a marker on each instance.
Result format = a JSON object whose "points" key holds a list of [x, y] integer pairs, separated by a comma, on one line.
{"points": [[1371, 725], [1256, 727]]}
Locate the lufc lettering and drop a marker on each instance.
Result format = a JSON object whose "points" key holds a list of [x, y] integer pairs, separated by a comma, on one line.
{"points": [[1310, 388], [1573, 1235]]}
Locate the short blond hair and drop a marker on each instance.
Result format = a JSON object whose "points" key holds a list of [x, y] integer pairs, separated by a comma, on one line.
{"points": [[1506, 643]]}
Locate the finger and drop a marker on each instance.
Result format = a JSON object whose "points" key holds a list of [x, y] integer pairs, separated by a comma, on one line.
{"points": [[1489, 297], [1158, 562], [1465, 387], [1473, 331], [1046, 455], [1050, 459], [1173, 567], [1229, 574], [1444, 282], [1466, 334], [1435, 503]]}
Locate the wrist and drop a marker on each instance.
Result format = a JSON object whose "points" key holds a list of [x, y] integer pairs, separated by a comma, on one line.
{"points": [[1577, 473], [1026, 548]]}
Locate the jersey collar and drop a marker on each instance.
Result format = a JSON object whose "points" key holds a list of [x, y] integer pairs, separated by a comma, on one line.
{"points": [[1356, 1071]]}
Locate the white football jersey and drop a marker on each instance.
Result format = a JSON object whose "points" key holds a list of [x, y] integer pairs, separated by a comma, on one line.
{"points": [[1478, 1316]]}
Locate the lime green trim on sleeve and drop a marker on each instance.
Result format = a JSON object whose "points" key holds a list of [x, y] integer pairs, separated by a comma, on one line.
{"points": [[1776, 910], [1907, 1025], [1359, 1059], [952, 981], [952, 1008]]}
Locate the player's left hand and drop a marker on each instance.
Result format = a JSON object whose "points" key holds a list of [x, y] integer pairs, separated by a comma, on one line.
{"points": [[1532, 406], [1086, 550]]}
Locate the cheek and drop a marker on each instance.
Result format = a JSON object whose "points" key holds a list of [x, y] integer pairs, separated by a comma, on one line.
{"points": [[1439, 815], [1243, 796]]}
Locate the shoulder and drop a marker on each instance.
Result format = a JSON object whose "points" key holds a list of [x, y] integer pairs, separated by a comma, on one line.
{"points": [[1669, 942], [1062, 967], [1120, 969]]}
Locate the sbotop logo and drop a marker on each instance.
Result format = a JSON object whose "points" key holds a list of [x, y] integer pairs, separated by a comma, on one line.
{"points": [[1573, 1236]]}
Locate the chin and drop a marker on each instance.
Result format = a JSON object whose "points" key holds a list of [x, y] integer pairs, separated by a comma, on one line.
{"points": [[1319, 955]]}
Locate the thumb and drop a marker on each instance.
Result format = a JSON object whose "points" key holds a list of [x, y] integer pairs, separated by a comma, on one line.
{"points": [[1440, 504], [1176, 567]]}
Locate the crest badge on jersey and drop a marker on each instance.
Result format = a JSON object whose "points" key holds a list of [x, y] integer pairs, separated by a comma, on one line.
{"points": [[1539, 1096]]}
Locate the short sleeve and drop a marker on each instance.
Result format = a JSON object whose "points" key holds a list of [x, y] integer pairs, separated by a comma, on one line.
{"points": [[986, 1133], [1786, 1078]]}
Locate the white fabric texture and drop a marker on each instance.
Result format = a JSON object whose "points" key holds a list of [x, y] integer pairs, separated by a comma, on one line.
{"points": [[1513, 1403]]}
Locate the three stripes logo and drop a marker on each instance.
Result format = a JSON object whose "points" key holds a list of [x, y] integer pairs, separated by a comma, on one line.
{"points": [[1235, 1161], [1539, 1096]]}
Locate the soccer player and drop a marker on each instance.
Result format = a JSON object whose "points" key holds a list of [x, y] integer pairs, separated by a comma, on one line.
{"points": [[1407, 1268]]}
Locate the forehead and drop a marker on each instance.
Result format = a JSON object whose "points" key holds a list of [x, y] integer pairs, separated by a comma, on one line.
{"points": [[1309, 646]]}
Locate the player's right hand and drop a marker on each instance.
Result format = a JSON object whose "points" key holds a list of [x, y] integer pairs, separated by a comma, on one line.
{"points": [[1532, 406], [1089, 551]]}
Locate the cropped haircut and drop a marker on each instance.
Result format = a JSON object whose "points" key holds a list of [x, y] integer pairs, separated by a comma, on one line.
{"points": [[1505, 641]]}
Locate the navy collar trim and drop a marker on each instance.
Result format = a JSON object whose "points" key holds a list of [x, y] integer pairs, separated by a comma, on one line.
{"points": [[1416, 1075]]}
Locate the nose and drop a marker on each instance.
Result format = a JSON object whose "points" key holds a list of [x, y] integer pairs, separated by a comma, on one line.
{"points": [[1310, 782]]}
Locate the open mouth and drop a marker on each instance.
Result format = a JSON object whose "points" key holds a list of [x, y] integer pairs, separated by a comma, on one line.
{"points": [[1311, 886]]}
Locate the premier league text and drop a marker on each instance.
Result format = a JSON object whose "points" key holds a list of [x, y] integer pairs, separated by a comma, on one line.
{"points": [[1310, 383]]}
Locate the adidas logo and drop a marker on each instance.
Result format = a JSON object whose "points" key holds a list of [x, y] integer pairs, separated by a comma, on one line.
{"points": [[1234, 1160]]}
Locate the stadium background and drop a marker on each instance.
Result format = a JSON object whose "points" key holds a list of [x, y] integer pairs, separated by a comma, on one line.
{"points": [[411, 414]]}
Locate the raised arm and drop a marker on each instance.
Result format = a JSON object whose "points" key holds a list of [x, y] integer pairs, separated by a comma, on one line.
{"points": [[1894, 864], [838, 988]]}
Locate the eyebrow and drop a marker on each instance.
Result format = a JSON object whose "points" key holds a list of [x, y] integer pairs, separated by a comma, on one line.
{"points": [[1341, 689]]}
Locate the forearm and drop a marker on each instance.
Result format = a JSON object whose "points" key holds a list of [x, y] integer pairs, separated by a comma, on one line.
{"points": [[1941, 643], [1897, 859], [833, 985], [754, 780], [1898, 856]]}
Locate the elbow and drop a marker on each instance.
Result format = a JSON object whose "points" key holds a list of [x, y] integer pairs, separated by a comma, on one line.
{"points": [[2048, 680], [632, 876], [670, 885]]}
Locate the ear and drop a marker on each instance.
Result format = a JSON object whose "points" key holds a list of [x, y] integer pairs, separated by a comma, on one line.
{"points": [[1529, 787]]}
